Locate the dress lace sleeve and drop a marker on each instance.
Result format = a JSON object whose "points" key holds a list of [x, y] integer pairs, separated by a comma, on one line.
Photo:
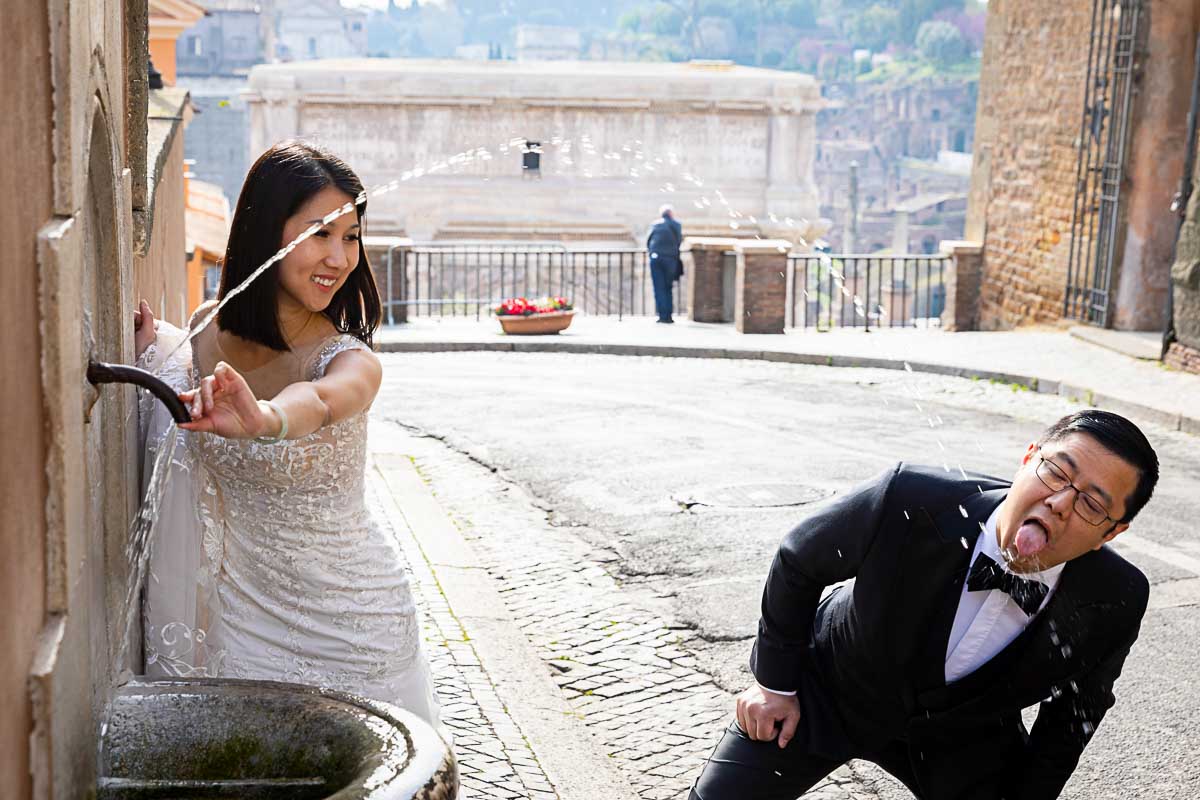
{"points": [[331, 348]]}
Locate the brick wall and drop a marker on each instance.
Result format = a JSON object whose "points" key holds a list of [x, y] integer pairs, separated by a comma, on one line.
{"points": [[1180, 356], [761, 300], [1030, 102]]}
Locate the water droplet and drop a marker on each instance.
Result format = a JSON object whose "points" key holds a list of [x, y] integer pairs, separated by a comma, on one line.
{"points": [[839, 553], [963, 539], [962, 511]]}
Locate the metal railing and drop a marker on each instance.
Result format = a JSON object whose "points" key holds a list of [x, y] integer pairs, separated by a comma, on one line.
{"points": [[851, 291], [457, 280]]}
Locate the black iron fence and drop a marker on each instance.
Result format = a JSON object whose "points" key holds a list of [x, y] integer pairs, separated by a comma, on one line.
{"points": [[455, 280], [824, 291], [853, 291]]}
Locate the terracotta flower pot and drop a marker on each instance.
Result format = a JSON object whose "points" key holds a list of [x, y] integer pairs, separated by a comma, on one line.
{"points": [[552, 322]]}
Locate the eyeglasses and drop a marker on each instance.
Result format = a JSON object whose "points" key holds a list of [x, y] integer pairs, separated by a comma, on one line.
{"points": [[1086, 506]]}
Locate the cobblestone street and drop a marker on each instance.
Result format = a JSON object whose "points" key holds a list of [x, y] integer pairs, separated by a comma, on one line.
{"points": [[615, 518], [620, 661]]}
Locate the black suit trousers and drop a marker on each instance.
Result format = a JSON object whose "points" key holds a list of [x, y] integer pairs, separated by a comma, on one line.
{"points": [[743, 769]]}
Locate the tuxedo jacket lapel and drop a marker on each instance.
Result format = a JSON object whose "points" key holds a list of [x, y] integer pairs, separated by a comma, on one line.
{"points": [[957, 530]]}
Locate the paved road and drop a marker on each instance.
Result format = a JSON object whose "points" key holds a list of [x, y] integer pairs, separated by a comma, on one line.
{"points": [[661, 462]]}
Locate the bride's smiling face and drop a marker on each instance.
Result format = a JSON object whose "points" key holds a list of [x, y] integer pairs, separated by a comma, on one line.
{"points": [[312, 274]]}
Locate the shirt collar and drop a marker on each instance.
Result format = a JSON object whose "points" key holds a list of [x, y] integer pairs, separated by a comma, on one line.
{"points": [[989, 546]]}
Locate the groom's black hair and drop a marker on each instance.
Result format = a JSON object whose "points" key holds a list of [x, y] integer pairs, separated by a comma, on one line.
{"points": [[284, 178], [1120, 437]]}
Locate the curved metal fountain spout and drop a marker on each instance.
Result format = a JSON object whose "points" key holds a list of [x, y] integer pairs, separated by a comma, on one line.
{"points": [[98, 372]]}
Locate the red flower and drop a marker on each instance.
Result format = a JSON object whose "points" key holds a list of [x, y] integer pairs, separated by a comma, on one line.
{"points": [[521, 307]]}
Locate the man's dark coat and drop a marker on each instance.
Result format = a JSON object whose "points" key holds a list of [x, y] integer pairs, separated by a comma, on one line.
{"points": [[663, 244], [868, 661]]}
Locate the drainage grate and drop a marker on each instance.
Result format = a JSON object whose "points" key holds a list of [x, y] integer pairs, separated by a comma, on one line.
{"points": [[760, 495]]}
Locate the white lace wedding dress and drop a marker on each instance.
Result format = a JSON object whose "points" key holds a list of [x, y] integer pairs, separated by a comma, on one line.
{"points": [[282, 574]]}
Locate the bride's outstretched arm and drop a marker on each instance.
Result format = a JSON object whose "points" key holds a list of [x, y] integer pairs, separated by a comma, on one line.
{"points": [[224, 404]]}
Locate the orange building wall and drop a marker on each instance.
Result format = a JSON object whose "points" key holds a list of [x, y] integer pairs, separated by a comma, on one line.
{"points": [[162, 53]]}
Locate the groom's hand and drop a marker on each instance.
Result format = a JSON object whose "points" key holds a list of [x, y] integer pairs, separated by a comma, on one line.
{"points": [[762, 714]]}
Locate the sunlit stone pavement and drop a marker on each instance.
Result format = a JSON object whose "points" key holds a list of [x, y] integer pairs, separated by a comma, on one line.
{"points": [[593, 494]]}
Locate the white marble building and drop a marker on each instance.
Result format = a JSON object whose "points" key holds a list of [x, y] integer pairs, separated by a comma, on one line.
{"points": [[730, 147], [311, 29]]}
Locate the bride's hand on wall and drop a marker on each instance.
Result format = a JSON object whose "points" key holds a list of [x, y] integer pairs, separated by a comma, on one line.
{"points": [[223, 404], [144, 332]]}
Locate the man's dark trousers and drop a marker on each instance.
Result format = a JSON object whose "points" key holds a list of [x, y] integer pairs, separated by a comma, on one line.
{"points": [[751, 770], [663, 270], [867, 660]]}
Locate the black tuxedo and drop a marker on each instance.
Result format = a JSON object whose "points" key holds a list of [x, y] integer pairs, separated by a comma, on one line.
{"points": [[868, 661]]}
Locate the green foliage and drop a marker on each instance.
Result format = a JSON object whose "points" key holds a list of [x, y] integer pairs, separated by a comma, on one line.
{"points": [[942, 43], [875, 28], [666, 20], [918, 69], [798, 13], [913, 13], [630, 21]]}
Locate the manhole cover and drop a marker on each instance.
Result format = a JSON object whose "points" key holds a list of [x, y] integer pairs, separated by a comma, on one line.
{"points": [[760, 495]]}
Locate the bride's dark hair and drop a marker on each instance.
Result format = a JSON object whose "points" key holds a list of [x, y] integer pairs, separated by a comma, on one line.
{"points": [[284, 178]]}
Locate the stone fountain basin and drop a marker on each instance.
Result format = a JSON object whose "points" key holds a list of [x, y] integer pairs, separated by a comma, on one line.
{"points": [[259, 740]]}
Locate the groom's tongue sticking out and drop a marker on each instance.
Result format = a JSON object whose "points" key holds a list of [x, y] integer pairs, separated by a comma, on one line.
{"points": [[1066, 499]]}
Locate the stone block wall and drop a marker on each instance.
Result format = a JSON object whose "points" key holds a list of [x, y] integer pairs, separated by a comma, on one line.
{"points": [[1023, 189]]}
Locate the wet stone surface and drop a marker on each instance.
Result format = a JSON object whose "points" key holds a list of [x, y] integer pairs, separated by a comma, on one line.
{"points": [[759, 495]]}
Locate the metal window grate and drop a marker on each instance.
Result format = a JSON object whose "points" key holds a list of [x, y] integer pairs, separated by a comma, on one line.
{"points": [[1100, 171]]}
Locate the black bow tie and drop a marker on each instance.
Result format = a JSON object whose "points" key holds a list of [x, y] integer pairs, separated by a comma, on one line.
{"points": [[986, 574]]}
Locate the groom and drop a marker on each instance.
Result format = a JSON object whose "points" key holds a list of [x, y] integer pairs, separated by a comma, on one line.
{"points": [[972, 599]]}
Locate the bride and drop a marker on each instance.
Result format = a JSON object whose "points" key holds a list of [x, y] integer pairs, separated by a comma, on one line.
{"points": [[282, 574]]}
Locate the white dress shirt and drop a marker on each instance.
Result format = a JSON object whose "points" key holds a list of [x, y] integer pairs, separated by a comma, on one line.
{"points": [[986, 621]]}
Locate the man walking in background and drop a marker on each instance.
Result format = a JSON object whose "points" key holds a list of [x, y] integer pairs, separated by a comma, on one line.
{"points": [[665, 265]]}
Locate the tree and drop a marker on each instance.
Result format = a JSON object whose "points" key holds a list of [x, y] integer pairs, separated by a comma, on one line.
{"points": [[942, 43], [875, 28], [797, 13], [630, 21], [913, 13], [690, 11], [666, 20]]}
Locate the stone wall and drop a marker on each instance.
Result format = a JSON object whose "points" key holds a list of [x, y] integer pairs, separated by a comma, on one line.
{"points": [[1026, 159], [75, 139], [1156, 158], [25, 139], [160, 273], [1023, 184], [617, 141], [1184, 353]]}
